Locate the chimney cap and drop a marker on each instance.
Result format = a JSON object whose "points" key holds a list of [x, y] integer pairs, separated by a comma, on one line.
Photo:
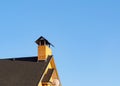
{"points": [[41, 39]]}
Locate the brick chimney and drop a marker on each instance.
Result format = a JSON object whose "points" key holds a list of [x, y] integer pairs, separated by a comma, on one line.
{"points": [[43, 48]]}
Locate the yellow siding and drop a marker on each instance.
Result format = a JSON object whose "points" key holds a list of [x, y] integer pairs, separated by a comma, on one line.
{"points": [[40, 84], [48, 51]]}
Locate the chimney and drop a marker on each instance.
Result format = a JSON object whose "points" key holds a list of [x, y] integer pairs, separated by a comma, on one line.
{"points": [[43, 48]]}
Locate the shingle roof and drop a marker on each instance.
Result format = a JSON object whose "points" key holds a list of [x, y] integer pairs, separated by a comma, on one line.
{"points": [[48, 75], [22, 71]]}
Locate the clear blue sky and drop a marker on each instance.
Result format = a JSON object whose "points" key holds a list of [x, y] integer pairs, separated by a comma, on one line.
{"points": [[86, 35]]}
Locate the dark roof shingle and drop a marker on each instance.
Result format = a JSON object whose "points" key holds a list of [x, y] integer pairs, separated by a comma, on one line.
{"points": [[22, 71], [48, 75]]}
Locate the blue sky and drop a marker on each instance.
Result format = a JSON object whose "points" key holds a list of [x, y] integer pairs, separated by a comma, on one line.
{"points": [[86, 35]]}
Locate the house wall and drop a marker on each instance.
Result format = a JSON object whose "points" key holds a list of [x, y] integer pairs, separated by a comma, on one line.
{"points": [[43, 52], [54, 76], [40, 83]]}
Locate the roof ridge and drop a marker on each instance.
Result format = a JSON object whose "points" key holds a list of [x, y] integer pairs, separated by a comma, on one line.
{"points": [[17, 57]]}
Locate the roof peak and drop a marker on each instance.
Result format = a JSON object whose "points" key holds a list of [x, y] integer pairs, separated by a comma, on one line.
{"points": [[41, 38]]}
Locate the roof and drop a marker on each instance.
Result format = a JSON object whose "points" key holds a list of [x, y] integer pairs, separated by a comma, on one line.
{"points": [[48, 75], [22, 71], [42, 38]]}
